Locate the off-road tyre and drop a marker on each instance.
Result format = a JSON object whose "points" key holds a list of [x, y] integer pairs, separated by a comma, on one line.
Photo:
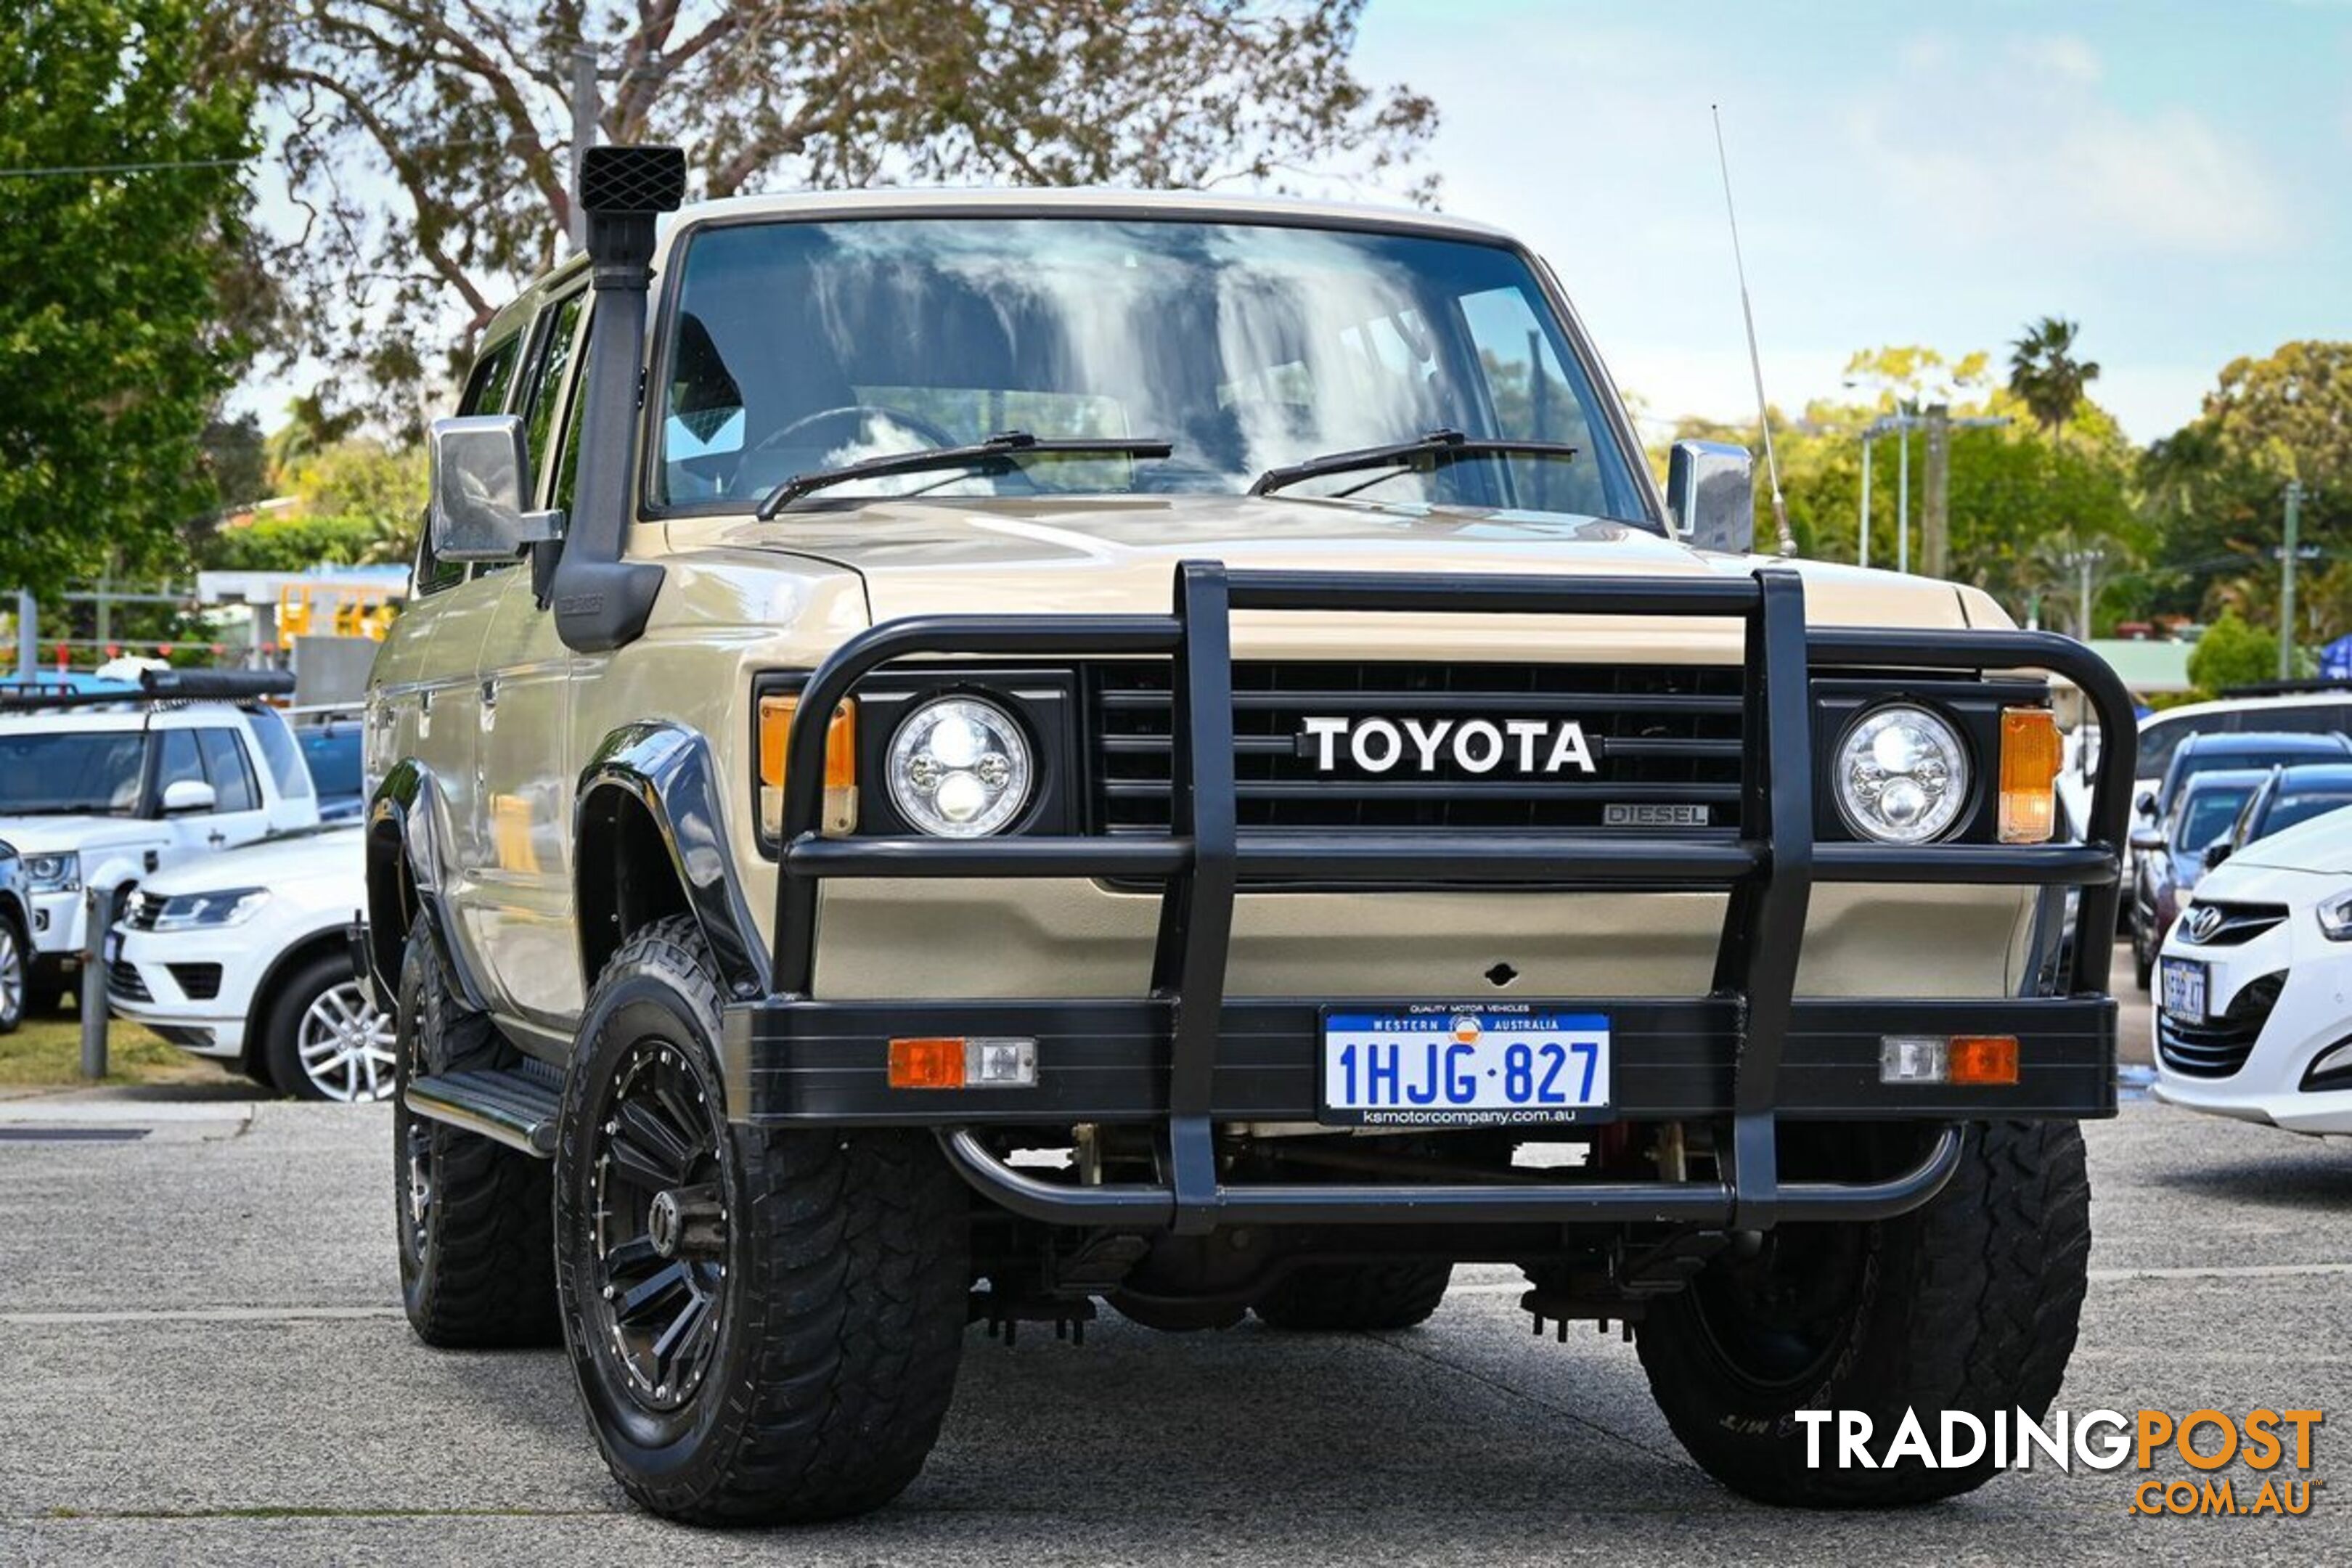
{"points": [[477, 1251], [1969, 1303], [1354, 1298], [839, 1287]]}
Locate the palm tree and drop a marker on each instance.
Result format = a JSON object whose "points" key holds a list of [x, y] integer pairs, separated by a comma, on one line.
{"points": [[2046, 375]]}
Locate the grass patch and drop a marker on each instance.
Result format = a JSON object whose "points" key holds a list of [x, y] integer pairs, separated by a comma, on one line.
{"points": [[47, 1052]]}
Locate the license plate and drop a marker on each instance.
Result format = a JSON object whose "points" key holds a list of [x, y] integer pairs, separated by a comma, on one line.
{"points": [[2180, 988], [1455, 1067]]}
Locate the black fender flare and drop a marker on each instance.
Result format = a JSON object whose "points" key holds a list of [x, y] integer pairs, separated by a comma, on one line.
{"points": [[666, 768], [407, 830]]}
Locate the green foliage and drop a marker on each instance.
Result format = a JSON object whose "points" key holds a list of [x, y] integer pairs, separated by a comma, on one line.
{"points": [[289, 544], [2216, 489], [461, 112], [2046, 376], [112, 350], [2233, 653]]}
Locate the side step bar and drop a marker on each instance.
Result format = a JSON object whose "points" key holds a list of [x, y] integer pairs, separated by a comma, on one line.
{"points": [[514, 1106]]}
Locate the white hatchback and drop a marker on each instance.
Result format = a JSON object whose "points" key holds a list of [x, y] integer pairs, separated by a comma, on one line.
{"points": [[2253, 985], [243, 955]]}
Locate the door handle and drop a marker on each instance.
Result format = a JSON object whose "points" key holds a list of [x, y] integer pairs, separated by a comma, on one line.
{"points": [[215, 838]]}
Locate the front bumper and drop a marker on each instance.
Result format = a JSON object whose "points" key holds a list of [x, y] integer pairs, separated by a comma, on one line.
{"points": [[1746, 1055], [143, 984]]}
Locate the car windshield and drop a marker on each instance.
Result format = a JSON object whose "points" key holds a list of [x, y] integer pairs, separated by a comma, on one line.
{"points": [[2286, 810], [2209, 813], [794, 347], [67, 771]]}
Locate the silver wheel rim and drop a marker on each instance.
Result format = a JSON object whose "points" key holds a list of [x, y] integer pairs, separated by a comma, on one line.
{"points": [[346, 1044], [12, 976]]}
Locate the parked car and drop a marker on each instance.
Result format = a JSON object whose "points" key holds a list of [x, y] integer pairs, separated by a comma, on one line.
{"points": [[332, 750], [2250, 1020], [2286, 796], [102, 790], [15, 937], [2170, 856], [245, 956], [747, 937]]}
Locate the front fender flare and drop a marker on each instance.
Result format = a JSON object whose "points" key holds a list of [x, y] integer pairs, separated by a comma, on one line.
{"points": [[407, 832], [668, 770]]}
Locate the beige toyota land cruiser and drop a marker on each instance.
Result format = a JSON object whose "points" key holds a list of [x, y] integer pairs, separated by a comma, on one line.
{"points": [[957, 757]]}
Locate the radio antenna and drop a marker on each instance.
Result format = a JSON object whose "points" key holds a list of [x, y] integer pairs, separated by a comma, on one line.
{"points": [[1755, 361]]}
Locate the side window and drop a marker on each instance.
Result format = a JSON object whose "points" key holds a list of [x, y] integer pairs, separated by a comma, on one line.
{"points": [[568, 469], [230, 775], [278, 750], [177, 760], [486, 392], [544, 393]]}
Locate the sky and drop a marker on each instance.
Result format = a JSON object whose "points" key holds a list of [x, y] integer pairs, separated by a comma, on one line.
{"points": [[2175, 177]]}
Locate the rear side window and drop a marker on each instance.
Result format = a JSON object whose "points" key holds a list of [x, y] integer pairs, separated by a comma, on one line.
{"points": [[228, 772], [334, 761], [177, 760], [545, 393], [278, 752]]}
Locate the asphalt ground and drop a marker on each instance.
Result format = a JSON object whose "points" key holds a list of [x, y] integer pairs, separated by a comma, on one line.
{"points": [[204, 1362]]}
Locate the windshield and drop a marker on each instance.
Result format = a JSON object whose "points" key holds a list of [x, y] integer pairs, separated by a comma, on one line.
{"points": [[334, 759], [2209, 813], [67, 771], [802, 346], [2286, 810]]}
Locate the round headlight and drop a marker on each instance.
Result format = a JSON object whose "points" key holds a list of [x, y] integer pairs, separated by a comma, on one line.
{"points": [[1902, 775], [959, 768]]}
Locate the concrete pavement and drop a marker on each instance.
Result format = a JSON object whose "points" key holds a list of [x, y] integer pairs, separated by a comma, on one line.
{"points": [[204, 1362]]}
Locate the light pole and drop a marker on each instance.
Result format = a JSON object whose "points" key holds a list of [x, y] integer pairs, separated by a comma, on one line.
{"points": [[2286, 580]]}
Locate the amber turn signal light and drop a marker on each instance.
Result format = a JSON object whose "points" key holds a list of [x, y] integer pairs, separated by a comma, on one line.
{"points": [[840, 766], [2030, 752], [1984, 1058]]}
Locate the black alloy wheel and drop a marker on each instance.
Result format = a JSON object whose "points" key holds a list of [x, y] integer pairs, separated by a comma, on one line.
{"points": [[658, 1226]]}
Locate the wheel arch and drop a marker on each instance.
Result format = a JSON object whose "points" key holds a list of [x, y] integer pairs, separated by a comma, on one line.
{"points": [[329, 943], [649, 841], [402, 846]]}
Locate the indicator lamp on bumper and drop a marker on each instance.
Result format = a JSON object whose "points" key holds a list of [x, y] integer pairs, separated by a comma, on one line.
{"points": [[1963, 1059], [957, 1062]]}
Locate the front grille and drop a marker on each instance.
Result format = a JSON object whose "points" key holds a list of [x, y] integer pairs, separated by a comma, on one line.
{"points": [[1662, 737], [2240, 923], [122, 980], [2218, 1048], [198, 981]]}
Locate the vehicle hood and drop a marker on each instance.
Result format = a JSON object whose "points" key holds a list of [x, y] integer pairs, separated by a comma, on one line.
{"points": [[87, 835], [1093, 555], [2323, 844], [277, 864]]}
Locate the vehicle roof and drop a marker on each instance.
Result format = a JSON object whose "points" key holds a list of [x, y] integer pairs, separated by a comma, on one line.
{"points": [[2270, 741], [193, 716], [2341, 698], [2222, 778], [1069, 202], [2314, 775]]}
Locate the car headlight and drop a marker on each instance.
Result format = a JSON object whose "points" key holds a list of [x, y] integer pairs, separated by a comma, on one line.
{"points": [[232, 906], [959, 768], [52, 873], [2335, 918], [1902, 775]]}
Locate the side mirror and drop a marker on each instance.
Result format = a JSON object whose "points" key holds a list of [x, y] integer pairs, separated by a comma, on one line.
{"points": [[481, 474], [1711, 495], [2216, 852], [2145, 803], [183, 795]]}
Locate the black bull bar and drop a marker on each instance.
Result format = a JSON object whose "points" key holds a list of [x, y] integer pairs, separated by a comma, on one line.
{"points": [[1187, 1055]]}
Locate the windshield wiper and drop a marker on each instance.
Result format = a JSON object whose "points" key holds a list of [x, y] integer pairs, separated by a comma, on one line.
{"points": [[1002, 450], [1437, 449]]}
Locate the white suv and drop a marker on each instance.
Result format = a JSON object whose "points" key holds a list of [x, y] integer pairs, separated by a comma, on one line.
{"points": [[107, 795], [245, 956]]}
